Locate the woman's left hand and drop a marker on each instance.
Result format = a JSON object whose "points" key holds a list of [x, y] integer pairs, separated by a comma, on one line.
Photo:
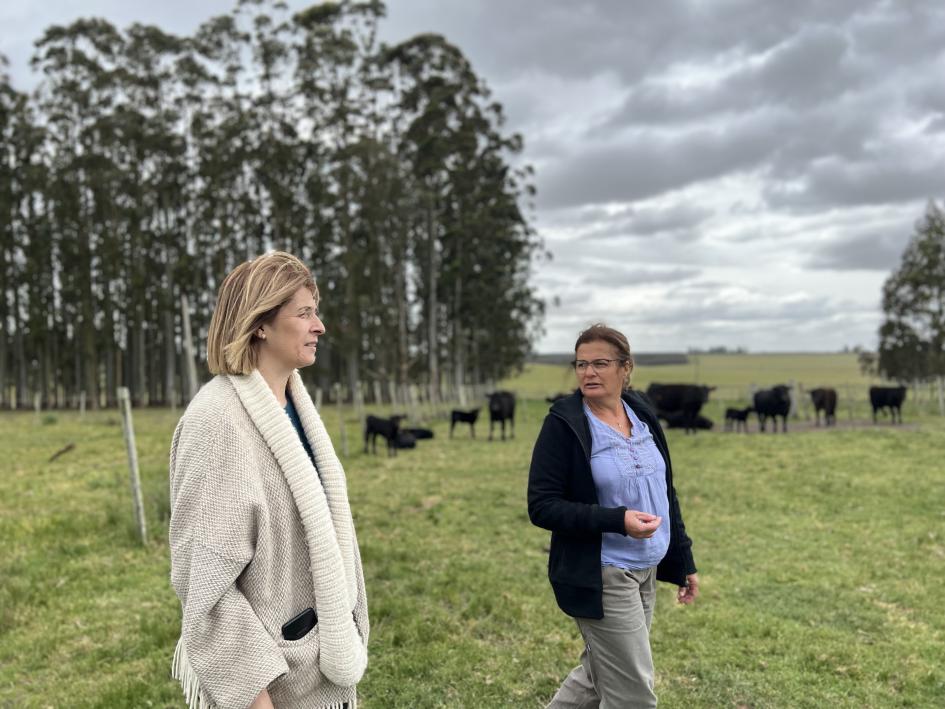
{"points": [[687, 594]]}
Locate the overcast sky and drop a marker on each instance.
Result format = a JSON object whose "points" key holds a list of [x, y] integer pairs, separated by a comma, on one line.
{"points": [[715, 172]]}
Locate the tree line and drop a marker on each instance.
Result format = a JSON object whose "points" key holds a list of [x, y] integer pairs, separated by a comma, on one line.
{"points": [[147, 165]]}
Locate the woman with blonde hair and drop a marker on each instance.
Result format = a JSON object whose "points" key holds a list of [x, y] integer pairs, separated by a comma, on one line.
{"points": [[264, 557]]}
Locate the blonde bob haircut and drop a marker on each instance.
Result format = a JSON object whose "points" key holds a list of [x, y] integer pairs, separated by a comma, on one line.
{"points": [[249, 297]]}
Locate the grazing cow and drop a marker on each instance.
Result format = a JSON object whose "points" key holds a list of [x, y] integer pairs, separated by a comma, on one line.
{"points": [[502, 409], [686, 399], [738, 418], [773, 402], [460, 416], [375, 426], [552, 399], [888, 398], [677, 419], [825, 400], [420, 433]]}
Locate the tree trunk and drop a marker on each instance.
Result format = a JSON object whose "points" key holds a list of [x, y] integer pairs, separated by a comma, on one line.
{"points": [[153, 365], [190, 368], [77, 367], [401, 297], [139, 361], [109, 336], [19, 354], [459, 344], [170, 355], [170, 351], [3, 356], [432, 306]]}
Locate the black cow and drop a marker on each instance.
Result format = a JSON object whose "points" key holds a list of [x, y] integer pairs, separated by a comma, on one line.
{"points": [[502, 409], [375, 426], [419, 433], [773, 402], [677, 419], [825, 399], [738, 418], [460, 416], [686, 399], [888, 398]]}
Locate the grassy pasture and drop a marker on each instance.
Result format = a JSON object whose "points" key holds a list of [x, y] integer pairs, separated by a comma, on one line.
{"points": [[820, 554]]}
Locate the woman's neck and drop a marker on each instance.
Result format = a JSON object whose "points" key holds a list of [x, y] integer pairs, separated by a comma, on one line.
{"points": [[610, 405], [276, 377]]}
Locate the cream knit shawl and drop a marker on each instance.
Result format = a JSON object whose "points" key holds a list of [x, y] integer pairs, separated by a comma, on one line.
{"points": [[322, 501]]}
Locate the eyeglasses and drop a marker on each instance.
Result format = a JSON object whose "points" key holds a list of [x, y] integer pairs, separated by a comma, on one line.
{"points": [[598, 365], [307, 314]]}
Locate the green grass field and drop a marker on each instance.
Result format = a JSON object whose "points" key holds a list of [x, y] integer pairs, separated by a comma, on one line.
{"points": [[820, 552]]}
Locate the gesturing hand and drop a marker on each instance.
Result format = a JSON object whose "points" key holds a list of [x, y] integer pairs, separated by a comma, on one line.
{"points": [[641, 525]]}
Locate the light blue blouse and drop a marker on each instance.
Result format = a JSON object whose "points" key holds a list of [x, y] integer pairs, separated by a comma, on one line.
{"points": [[629, 472]]}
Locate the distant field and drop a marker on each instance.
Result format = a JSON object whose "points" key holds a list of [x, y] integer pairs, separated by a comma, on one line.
{"points": [[820, 555], [734, 371]]}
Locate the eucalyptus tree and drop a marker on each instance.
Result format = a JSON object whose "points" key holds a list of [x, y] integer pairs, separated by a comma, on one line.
{"points": [[12, 107], [77, 96], [156, 202], [912, 336], [478, 246], [334, 54]]}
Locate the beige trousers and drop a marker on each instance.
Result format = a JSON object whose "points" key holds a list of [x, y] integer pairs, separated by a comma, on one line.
{"points": [[616, 670]]}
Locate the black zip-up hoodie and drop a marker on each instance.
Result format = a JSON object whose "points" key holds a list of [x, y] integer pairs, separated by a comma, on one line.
{"points": [[562, 498]]}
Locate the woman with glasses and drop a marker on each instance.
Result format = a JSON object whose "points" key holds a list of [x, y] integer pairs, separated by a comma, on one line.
{"points": [[601, 481], [264, 557]]}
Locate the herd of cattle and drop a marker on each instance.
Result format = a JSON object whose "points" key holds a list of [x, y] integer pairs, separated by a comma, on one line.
{"points": [[679, 405], [501, 409]]}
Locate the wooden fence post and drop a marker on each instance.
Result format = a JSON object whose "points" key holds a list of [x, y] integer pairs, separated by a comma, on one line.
{"points": [[124, 403], [318, 398], [82, 405]]}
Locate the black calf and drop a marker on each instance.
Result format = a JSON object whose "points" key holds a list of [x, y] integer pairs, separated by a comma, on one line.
{"points": [[386, 428], [460, 416], [405, 439], [738, 417]]}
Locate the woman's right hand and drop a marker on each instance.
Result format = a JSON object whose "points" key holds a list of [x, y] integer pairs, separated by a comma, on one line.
{"points": [[262, 701], [641, 525]]}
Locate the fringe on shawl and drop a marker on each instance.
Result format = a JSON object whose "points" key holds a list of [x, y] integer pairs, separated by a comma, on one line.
{"points": [[196, 699], [184, 673]]}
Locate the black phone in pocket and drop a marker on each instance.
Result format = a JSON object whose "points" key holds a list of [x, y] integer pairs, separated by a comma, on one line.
{"points": [[299, 626]]}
